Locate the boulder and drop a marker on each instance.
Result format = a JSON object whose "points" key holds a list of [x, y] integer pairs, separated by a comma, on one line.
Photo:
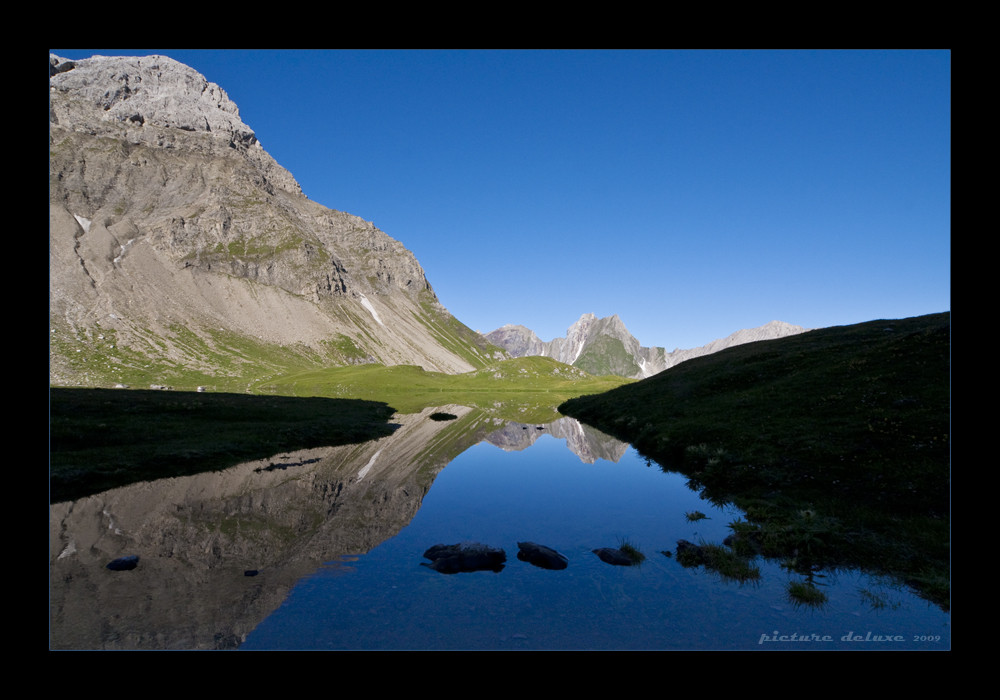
{"points": [[466, 556], [614, 556], [541, 556]]}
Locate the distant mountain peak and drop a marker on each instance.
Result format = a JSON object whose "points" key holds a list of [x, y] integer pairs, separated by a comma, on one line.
{"points": [[605, 346]]}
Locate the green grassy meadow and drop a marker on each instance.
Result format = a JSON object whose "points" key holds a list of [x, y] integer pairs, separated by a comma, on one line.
{"points": [[510, 385]]}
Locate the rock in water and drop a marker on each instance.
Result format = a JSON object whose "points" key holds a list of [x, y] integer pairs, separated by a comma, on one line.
{"points": [[614, 556], [468, 556], [541, 556]]}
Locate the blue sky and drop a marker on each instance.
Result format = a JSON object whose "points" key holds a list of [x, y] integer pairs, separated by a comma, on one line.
{"points": [[693, 193]]}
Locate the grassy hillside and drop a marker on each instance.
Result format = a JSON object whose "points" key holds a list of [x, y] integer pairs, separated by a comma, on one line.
{"points": [[221, 360], [607, 355], [836, 442], [185, 356]]}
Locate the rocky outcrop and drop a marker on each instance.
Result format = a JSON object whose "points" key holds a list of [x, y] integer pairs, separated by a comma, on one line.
{"points": [[174, 236], [605, 346], [154, 101]]}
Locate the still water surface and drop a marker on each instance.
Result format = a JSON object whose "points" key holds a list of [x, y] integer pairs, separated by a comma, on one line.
{"points": [[322, 549], [386, 600]]}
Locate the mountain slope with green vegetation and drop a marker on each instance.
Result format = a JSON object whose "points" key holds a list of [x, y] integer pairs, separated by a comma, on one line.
{"points": [[837, 438], [607, 355]]}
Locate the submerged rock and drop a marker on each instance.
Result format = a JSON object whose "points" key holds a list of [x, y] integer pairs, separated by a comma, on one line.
{"points": [[466, 556], [613, 556], [541, 556], [618, 557]]}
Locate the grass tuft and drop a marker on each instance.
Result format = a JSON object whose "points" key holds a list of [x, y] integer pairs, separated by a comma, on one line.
{"points": [[808, 594], [631, 551]]}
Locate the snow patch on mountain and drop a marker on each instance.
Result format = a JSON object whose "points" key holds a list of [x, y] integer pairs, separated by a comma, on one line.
{"points": [[371, 309]]}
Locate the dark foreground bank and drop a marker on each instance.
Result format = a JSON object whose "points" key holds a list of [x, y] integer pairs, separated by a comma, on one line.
{"points": [[105, 438], [835, 442]]}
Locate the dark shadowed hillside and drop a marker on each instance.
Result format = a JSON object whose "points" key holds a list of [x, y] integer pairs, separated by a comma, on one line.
{"points": [[850, 425]]}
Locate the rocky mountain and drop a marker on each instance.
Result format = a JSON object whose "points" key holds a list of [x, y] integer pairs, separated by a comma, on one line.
{"points": [[180, 250], [598, 346], [605, 346]]}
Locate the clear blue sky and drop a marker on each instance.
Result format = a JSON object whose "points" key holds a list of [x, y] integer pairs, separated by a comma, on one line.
{"points": [[693, 193]]}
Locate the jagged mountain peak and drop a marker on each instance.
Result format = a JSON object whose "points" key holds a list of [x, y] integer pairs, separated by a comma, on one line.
{"points": [[153, 100], [605, 345], [584, 319], [596, 345], [153, 90]]}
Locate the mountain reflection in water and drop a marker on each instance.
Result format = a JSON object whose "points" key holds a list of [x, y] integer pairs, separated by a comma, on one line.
{"points": [[335, 536]]}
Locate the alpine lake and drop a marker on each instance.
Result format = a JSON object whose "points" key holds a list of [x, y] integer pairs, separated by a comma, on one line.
{"points": [[324, 549]]}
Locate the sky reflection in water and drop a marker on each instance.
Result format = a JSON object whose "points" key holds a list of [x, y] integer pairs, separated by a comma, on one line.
{"points": [[385, 599]]}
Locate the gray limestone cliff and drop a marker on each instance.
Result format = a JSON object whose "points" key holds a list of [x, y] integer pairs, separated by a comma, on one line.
{"points": [[174, 237]]}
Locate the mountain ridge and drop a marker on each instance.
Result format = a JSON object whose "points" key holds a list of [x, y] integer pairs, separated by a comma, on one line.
{"points": [[180, 250], [605, 346]]}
